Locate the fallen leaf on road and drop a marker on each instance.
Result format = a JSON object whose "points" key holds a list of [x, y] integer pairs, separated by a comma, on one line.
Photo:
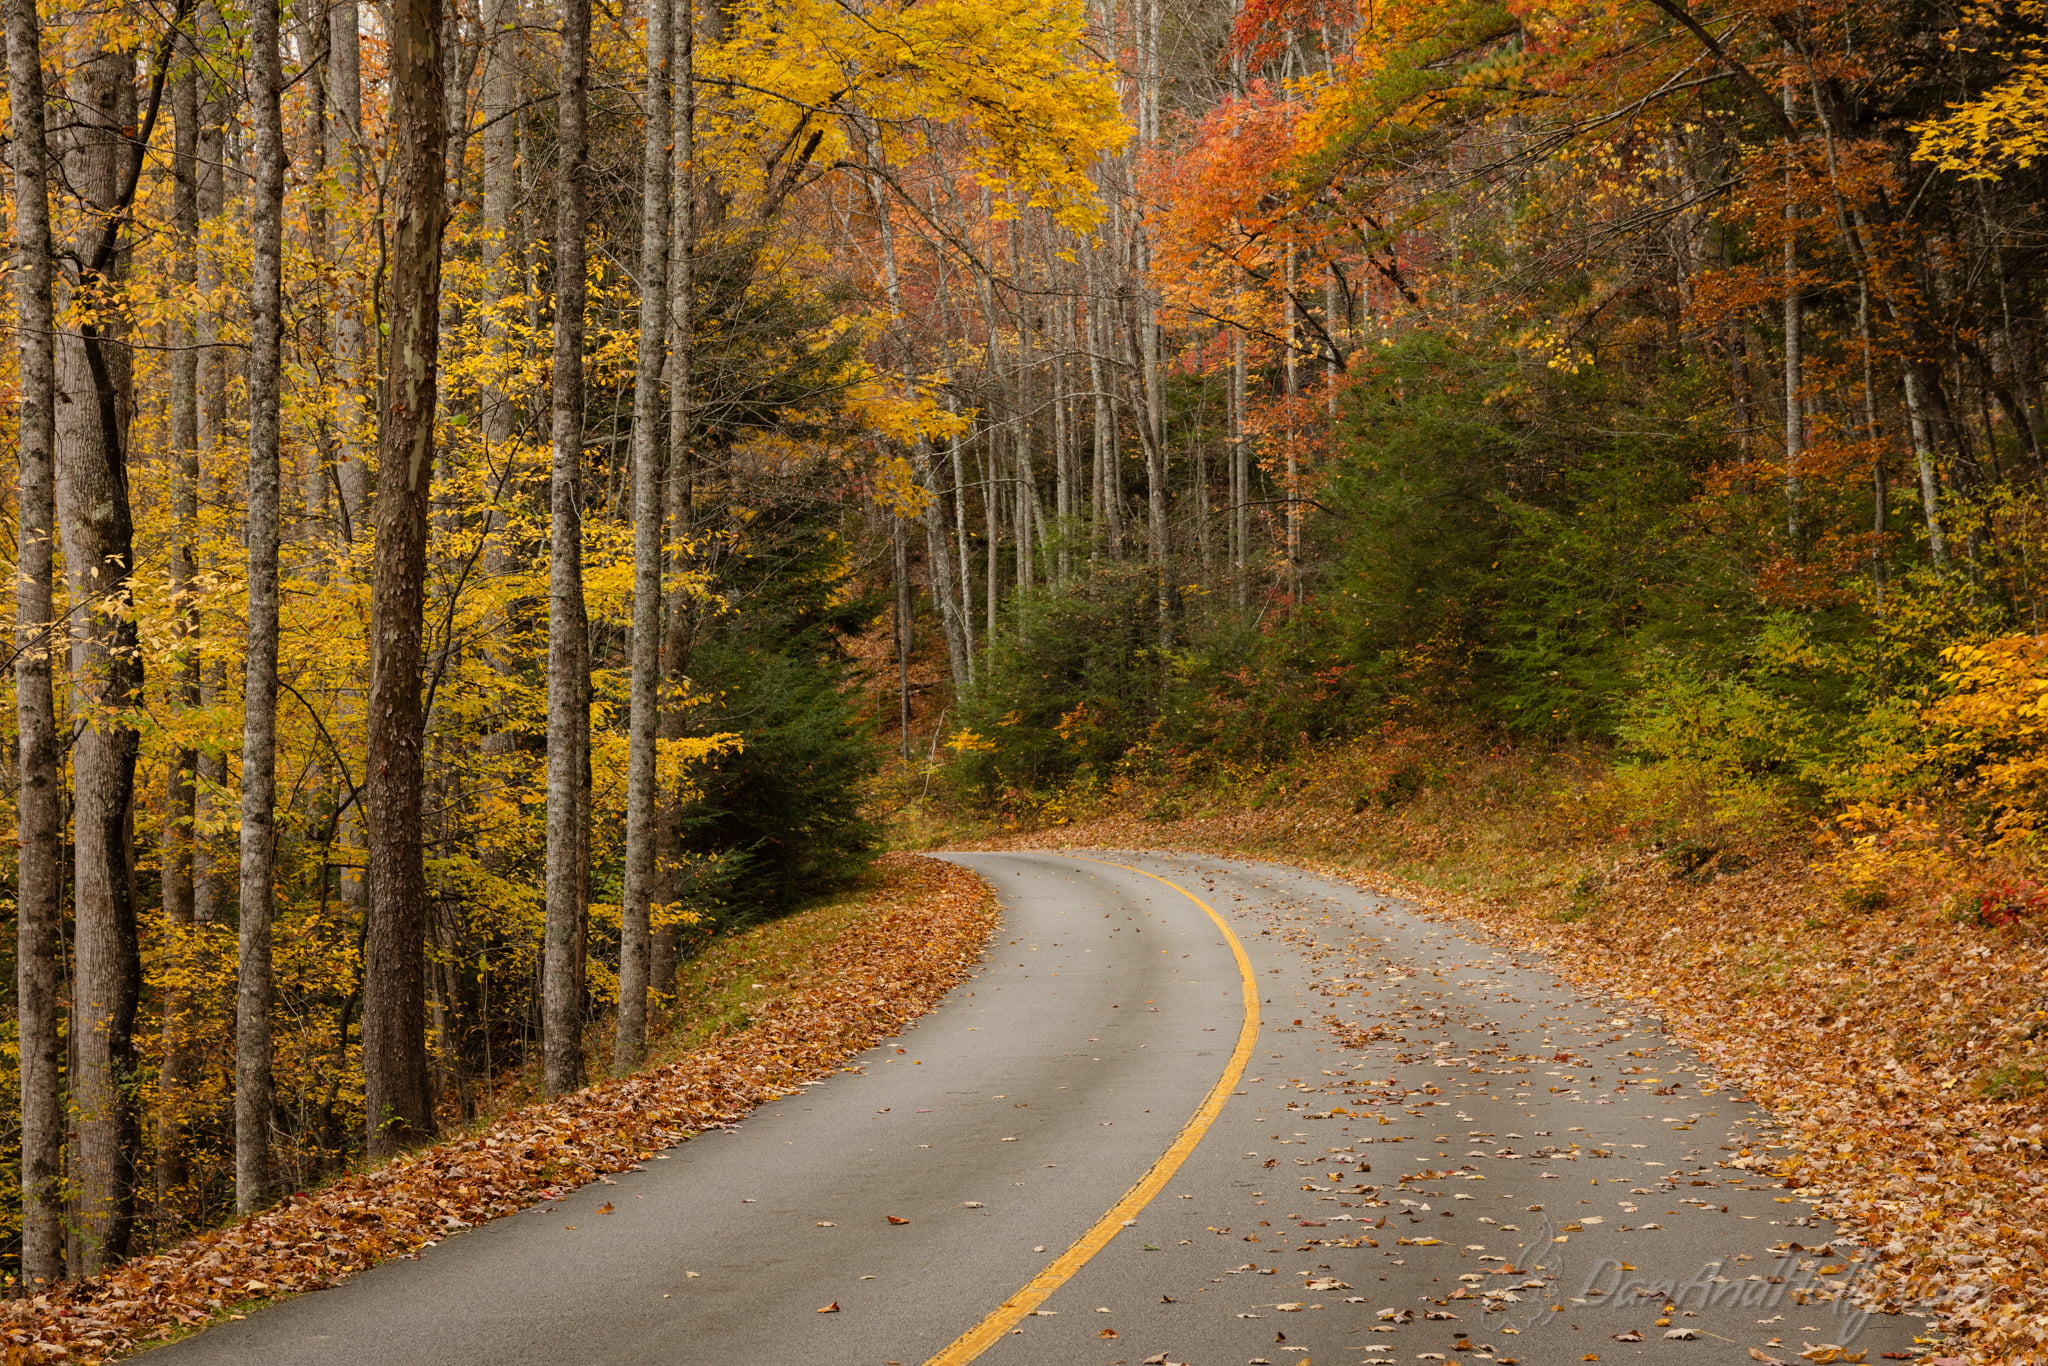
{"points": [[831, 1308], [1682, 1334], [1632, 1335], [1107, 1333], [1759, 1354], [897, 1219], [1327, 1283], [605, 1208]]}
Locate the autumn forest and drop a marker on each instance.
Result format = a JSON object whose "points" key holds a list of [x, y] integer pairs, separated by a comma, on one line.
{"points": [[505, 492]]}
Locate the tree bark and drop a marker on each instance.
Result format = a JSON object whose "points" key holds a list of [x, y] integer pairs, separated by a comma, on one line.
{"points": [[1240, 478], [182, 1062], [213, 362], [40, 849], [568, 632], [347, 152], [255, 988], [396, 1098], [93, 399], [1795, 345], [643, 791], [665, 942]]}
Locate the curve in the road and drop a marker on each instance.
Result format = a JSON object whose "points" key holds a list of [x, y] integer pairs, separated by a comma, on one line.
{"points": [[1491, 1168], [1012, 1311]]}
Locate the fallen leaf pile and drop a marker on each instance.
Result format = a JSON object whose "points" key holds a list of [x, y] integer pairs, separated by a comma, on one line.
{"points": [[1900, 1044], [920, 934]]}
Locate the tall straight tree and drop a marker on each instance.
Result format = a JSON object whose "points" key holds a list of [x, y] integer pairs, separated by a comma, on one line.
{"points": [[255, 987], [398, 1108], [643, 792], [103, 165], [568, 627], [348, 152], [665, 943], [39, 849], [182, 1059]]}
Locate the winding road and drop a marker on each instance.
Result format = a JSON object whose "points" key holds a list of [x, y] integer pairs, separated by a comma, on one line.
{"points": [[1089, 1154]]}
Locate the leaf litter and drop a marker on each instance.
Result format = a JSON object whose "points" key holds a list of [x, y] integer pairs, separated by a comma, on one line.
{"points": [[1871, 1032], [914, 938]]}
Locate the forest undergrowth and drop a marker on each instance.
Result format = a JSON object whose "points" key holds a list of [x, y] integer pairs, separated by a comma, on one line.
{"points": [[1886, 997], [754, 1015]]}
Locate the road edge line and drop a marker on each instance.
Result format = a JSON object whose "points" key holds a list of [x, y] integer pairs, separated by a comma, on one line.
{"points": [[997, 1324]]}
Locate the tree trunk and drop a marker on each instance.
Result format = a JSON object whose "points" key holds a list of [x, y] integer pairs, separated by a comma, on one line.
{"points": [[899, 618], [348, 152], [1795, 348], [1240, 478], [181, 1065], [643, 791], [395, 1082], [502, 248], [1291, 369], [255, 988], [954, 458], [213, 363], [568, 634], [39, 853], [93, 378], [1917, 428], [665, 944]]}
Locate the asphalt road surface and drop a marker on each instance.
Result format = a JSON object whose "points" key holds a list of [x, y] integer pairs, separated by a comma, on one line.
{"points": [[1311, 1127]]}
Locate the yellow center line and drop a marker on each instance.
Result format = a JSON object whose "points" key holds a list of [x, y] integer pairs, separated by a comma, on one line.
{"points": [[990, 1330]]}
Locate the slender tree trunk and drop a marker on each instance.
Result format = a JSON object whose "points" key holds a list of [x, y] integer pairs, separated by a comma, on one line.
{"points": [[1198, 489], [568, 632], [181, 1057], [953, 445], [1795, 344], [939, 560], [93, 378], [1240, 478], [643, 791], [1108, 477], [665, 945], [395, 1082], [502, 249], [1063, 436], [992, 532], [1917, 427], [203, 679], [349, 152], [39, 853], [255, 988], [309, 35], [184, 415], [899, 547], [1290, 337]]}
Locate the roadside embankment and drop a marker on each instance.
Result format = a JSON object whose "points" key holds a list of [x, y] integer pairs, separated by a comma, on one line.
{"points": [[786, 1003], [1886, 996]]}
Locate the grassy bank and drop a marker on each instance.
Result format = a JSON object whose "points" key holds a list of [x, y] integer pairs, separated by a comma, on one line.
{"points": [[755, 1015], [1883, 991]]}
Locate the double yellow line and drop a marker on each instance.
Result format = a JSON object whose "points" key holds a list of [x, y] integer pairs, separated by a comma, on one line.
{"points": [[991, 1329]]}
